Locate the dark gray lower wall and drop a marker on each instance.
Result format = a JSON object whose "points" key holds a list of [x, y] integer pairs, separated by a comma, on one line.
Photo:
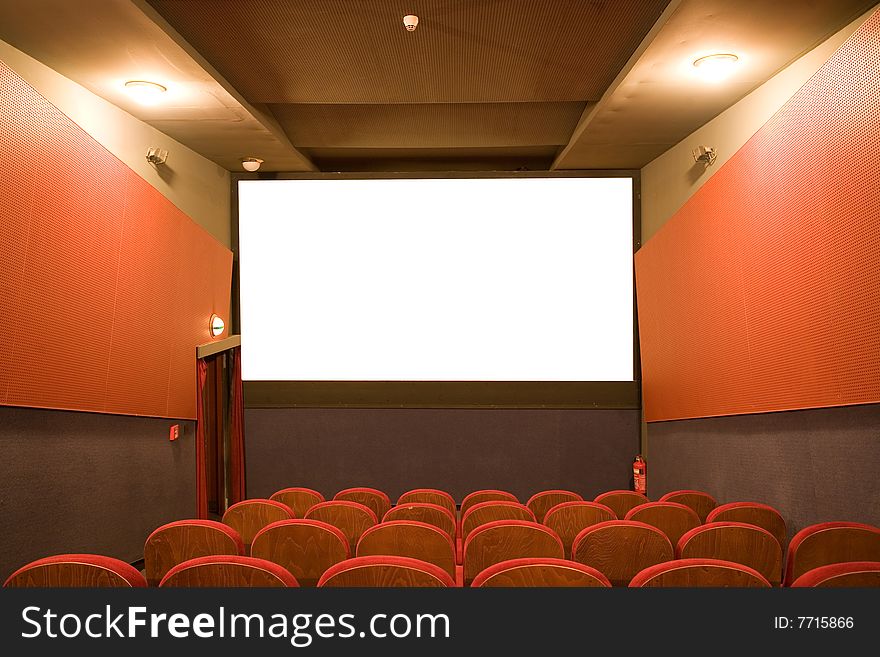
{"points": [[87, 482], [459, 450], [813, 465]]}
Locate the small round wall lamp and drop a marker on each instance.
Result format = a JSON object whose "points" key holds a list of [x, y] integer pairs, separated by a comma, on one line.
{"points": [[217, 325]]}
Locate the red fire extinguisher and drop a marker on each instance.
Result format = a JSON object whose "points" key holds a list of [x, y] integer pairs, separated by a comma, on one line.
{"points": [[640, 475]]}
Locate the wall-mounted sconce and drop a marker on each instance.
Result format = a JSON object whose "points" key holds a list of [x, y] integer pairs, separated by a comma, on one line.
{"points": [[217, 326], [157, 156], [704, 154]]}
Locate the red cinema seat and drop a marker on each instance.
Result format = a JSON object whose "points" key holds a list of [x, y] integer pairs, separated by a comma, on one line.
{"points": [[478, 497], [429, 496], [407, 538], [828, 543], [433, 514], [541, 503], [709, 573], [504, 540], [851, 574], [532, 573], [486, 495], [304, 547], [621, 548], [76, 571], [621, 501], [298, 499], [183, 540], [738, 542], [385, 572], [570, 518], [671, 518], [250, 516], [373, 499], [753, 513], [702, 503], [351, 518], [492, 511], [226, 571]]}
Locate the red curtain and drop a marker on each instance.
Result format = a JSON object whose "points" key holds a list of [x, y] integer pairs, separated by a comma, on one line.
{"points": [[237, 430], [201, 477]]}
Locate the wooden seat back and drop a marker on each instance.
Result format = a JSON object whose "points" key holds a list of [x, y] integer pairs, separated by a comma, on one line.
{"points": [[738, 542], [619, 549], [375, 500], [504, 540], [710, 573], [250, 516], [429, 496], [852, 574], [385, 572], [673, 519], [304, 547], [752, 513], [491, 511], [485, 495], [702, 503], [183, 540], [227, 571], [830, 542], [351, 518], [541, 503], [570, 518], [555, 573], [621, 501], [433, 514], [299, 499], [408, 538], [76, 571]]}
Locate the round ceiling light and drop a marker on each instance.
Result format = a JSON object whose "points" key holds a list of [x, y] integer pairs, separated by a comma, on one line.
{"points": [[217, 325], [716, 67], [251, 163], [145, 92]]}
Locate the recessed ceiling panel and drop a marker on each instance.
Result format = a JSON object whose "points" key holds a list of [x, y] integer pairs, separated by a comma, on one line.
{"points": [[530, 158], [342, 51], [437, 125]]}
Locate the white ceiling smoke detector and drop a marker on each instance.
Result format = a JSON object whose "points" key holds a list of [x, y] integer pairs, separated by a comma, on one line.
{"points": [[410, 22]]}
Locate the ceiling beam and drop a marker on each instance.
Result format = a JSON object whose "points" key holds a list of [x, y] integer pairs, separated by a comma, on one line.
{"points": [[593, 109], [259, 113]]}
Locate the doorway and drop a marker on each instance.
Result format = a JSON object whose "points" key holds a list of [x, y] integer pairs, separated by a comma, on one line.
{"points": [[220, 439]]}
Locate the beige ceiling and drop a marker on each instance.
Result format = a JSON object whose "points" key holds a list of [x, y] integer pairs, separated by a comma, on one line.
{"points": [[660, 100], [481, 84]]}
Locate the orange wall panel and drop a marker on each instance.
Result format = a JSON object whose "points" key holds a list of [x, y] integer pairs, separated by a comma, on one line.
{"points": [[106, 286], [763, 292]]}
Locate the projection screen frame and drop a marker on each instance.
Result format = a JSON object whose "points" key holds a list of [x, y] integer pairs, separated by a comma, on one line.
{"points": [[442, 394]]}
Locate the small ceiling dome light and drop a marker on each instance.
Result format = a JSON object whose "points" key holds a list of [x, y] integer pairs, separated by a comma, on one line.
{"points": [[145, 92], [410, 22], [717, 67], [217, 325], [251, 163]]}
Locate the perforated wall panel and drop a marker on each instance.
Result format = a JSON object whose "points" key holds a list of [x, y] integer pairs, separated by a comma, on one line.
{"points": [[763, 292], [106, 287]]}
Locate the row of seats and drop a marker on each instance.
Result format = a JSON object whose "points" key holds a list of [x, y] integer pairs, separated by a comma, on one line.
{"points": [[564, 512], [228, 571], [620, 534]]}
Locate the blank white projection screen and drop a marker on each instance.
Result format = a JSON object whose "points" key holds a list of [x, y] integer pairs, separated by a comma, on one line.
{"points": [[499, 279]]}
